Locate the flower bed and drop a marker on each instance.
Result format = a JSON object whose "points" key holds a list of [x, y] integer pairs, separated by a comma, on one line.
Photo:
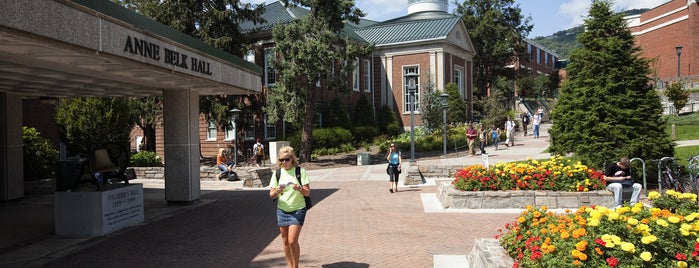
{"points": [[599, 237], [556, 174]]}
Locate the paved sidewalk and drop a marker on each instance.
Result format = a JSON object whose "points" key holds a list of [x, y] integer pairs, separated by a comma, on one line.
{"points": [[356, 222]]}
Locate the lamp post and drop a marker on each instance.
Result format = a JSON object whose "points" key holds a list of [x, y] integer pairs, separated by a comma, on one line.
{"points": [[443, 98], [678, 49], [235, 113], [411, 81]]}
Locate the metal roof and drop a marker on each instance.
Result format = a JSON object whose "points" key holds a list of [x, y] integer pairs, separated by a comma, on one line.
{"points": [[414, 27]]}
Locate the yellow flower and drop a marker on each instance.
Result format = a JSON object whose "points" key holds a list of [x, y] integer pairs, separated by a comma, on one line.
{"points": [[632, 221], [613, 216], [592, 222], [653, 195], [628, 247], [673, 219], [682, 264], [648, 239], [521, 219], [646, 256], [661, 222]]}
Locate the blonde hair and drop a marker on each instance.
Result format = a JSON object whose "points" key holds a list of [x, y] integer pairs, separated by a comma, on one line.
{"points": [[287, 152], [221, 150]]}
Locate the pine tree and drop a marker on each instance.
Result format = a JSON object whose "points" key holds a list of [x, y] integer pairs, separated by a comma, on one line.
{"points": [[607, 109]]}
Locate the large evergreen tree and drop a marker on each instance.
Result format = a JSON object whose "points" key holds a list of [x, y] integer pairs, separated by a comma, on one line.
{"points": [[310, 50], [607, 109], [496, 28]]}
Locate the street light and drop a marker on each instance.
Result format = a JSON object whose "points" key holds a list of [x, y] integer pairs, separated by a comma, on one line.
{"points": [[678, 49], [235, 113], [443, 98], [411, 78]]}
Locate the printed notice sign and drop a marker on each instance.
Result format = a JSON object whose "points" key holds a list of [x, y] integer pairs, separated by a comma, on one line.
{"points": [[122, 207], [485, 160]]}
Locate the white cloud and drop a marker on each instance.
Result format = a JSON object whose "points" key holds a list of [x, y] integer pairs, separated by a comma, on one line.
{"points": [[381, 10], [576, 10]]}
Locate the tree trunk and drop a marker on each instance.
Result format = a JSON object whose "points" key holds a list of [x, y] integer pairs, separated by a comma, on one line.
{"points": [[149, 136], [307, 134]]}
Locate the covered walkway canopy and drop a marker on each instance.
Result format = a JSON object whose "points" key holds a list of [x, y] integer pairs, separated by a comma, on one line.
{"points": [[95, 48]]}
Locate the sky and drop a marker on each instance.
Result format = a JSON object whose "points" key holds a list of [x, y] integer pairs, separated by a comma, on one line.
{"points": [[547, 16]]}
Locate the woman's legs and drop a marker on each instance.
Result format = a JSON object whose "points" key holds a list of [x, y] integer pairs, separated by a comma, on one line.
{"points": [[292, 250]]}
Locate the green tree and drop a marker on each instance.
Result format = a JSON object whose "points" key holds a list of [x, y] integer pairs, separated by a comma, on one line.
{"points": [[363, 115], [677, 95], [607, 108], [337, 115], [215, 22], [495, 109], [312, 49], [456, 105], [40, 155], [496, 28], [148, 112], [85, 122]]}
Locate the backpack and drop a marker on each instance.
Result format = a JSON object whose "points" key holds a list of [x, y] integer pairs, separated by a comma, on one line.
{"points": [[307, 199], [259, 149]]}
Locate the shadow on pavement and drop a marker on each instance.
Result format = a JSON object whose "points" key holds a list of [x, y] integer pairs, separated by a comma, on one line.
{"points": [[228, 232]]}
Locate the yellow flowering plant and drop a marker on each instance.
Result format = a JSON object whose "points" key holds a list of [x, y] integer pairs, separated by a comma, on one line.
{"points": [[674, 201], [634, 236], [556, 174]]}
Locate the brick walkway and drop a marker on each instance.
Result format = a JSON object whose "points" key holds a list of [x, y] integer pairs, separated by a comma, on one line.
{"points": [[353, 224]]}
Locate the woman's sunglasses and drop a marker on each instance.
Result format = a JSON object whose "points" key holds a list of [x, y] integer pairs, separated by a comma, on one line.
{"points": [[284, 160]]}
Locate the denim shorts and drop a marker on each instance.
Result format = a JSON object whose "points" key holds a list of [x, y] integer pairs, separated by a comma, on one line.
{"points": [[291, 218]]}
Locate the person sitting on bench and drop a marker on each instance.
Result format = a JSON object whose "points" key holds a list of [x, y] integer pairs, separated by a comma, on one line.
{"points": [[618, 177]]}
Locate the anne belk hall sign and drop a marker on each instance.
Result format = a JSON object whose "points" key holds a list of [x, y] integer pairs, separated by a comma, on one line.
{"points": [[152, 51]]}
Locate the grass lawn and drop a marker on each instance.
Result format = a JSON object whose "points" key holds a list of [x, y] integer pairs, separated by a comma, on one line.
{"points": [[686, 126]]}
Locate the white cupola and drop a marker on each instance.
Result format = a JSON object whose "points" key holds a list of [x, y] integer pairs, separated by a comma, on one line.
{"points": [[427, 5]]}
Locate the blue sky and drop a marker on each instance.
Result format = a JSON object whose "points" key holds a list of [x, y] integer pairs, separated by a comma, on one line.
{"points": [[548, 16]]}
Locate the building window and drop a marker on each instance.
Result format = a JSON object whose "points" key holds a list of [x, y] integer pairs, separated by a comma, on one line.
{"points": [[459, 79], [546, 59], [249, 131], [409, 73], [367, 75], [529, 50], [210, 130], [355, 77], [270, 130], [250, 56], [538, 58], [229, 135], [270, 73]]}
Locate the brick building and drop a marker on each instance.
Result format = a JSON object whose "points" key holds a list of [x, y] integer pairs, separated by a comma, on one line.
{"points": [[659, 31]]}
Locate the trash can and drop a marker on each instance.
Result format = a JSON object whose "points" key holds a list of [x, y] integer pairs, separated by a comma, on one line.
{"points": [[363, 159]]}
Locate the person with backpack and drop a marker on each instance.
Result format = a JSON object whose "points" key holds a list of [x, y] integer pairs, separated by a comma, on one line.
{"points": [[525, 122], [259, 150], [291, 189]]}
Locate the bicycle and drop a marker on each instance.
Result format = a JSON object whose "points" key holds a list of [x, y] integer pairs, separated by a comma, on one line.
{"points": [[671, 177], [693, 168]]}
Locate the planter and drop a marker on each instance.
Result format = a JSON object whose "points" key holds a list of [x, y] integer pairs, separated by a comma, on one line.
{"points": [[450, 197]]}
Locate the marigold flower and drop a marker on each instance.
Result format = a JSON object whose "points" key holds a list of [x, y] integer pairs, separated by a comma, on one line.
{"points": [[673, 219], [628, 247], [646, 256], [612, 262], [682, 264], [632, 221], [661, 222]]}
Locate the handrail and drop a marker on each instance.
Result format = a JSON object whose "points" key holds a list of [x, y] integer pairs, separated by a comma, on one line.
{"points": [[643, 163]]}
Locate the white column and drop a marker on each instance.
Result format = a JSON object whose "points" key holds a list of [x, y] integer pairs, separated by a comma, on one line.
{"points": [[181, 137], [11, 153]]}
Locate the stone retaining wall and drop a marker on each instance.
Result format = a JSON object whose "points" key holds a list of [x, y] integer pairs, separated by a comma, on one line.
{"points": [[487, 252], [417, 174], [251, 176], [450, 197]]}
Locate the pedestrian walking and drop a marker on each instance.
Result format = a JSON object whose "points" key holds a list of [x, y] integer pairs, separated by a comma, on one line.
{"points": [[471, 135], [510, 132], [289, 189], [394, 167], [536, 121], [525, 122], [482, 138], [495, 135]]}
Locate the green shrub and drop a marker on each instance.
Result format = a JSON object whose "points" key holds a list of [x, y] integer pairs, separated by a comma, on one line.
{"points": [[393, 129], [365, 133], [145, 159], [330, 137], [39, 155]]}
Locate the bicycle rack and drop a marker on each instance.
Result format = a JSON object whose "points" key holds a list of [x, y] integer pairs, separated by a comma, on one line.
{"points": [[643, 163], [660, 162]]}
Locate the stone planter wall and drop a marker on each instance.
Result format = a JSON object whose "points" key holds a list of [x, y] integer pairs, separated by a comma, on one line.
{"points": [[449, 197], [416, 174], [251, 176], [487, 252]]}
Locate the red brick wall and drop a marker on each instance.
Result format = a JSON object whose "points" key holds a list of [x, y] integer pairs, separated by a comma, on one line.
{"points": [[423, 61], [659, 44]]}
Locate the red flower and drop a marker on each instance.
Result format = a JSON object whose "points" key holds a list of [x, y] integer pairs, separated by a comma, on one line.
{"points": [[612, 262], [681, 256]]}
